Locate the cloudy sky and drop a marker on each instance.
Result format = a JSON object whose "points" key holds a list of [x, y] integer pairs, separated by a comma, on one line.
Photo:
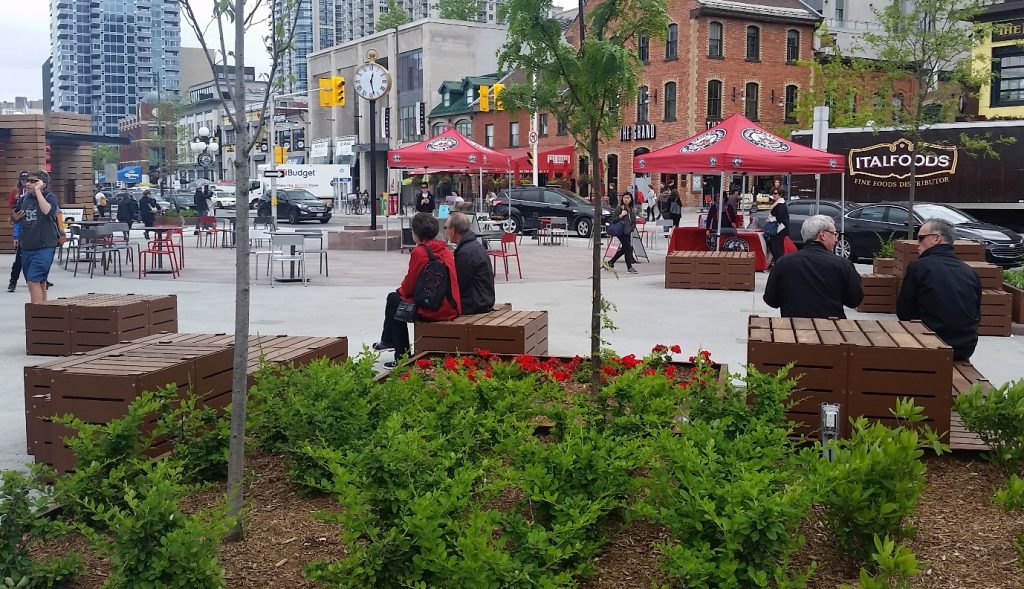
{"points": [[25, 38]]}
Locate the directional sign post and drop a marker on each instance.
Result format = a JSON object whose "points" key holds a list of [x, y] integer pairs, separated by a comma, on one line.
{"points": [[273, 173]]}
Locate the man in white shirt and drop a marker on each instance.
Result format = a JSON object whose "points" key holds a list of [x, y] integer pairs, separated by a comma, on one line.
{"points": [[101, 202]]}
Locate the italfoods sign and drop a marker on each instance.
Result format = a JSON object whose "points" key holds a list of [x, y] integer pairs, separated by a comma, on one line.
{"points": [[887, 165]]}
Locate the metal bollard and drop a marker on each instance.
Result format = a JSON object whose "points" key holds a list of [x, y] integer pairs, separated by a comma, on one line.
{"points": [[830, 414]]}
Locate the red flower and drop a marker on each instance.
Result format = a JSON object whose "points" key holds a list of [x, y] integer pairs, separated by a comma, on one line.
{"points": [[676, 349], [630, 361], [706, 354], [670, 371], [405, 376], [451, 364], [610, 371], [650, 372], [560, 375], [424, 364], [658, 349], [470, 362], [485, 354], [489, 373], [527, 363], [471, 375]]}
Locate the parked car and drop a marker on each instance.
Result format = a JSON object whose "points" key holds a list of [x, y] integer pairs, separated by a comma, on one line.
{"points": [[297, 205], [223, 197], [799, 211], [522, 208], [182, 199], [867, 225]]}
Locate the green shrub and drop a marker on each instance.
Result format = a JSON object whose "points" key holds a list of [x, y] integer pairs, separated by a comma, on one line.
{"points": [[200, 436], [886, 246], [892, 567], [1014, 277], [875, 479], [22, 499], [150, 542], [1011, 498], [997, 416]]}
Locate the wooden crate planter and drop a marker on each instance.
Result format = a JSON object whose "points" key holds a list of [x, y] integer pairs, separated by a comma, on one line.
{"points": [[880, 293], [501, 332], [817, 349], [710, 270], [87, 322], [996, 313], [883, 266], [1017, 306], [862, 365], [100, 385], [991, 276], [905, 252]]}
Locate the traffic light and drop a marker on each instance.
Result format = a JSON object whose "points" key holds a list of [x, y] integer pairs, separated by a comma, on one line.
{"points": [[279, 154], [327, 92], [498, 104], [339, 90], [485, 99]]}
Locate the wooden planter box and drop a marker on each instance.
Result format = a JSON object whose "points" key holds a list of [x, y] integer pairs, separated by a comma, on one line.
{"points": [[100, 385], [880, 293], [863, 365], [710, 270], [991, 276], [65, 326], [906, 252], [1018, 302], [501, 332], [996, 313], [884, 266]]}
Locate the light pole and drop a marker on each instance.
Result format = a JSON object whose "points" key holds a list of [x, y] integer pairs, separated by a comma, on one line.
{"points": [[205, 147]]}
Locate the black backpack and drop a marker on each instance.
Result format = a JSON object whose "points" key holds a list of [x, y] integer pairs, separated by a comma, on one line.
{"points": [[433, 286]]}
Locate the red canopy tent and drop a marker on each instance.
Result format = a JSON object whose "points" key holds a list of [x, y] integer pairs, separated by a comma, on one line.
{"points": [[737, 146], [552, 160], [449, 151]]}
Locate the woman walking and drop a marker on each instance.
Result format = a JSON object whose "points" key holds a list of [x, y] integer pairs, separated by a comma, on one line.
{"points": [[779, 215], [148, 209], [674, 206], [627, 216], [126, 209]]}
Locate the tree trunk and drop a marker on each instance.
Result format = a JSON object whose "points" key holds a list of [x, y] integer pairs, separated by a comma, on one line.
{"points": [[239, 377], [913, 184], [595, 234]]}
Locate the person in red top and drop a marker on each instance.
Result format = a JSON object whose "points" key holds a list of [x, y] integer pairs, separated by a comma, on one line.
{"points": [[395, 334]]}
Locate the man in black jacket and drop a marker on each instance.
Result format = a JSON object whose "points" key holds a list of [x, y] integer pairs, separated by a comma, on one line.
{"points": [[814, 282], [425, 200], [942, 291], [476, 281]]}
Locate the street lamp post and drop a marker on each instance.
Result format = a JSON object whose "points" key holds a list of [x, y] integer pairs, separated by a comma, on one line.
{"points": [[205, 147]]}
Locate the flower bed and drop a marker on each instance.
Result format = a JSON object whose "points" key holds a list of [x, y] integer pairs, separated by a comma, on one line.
{"points": [[668, 476]]}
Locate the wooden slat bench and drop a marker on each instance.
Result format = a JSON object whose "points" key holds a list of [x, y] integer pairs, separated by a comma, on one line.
{"points": [[965, 375], [65, 326], [710, 270], [880, 293], [996, 312], [502, 332]]}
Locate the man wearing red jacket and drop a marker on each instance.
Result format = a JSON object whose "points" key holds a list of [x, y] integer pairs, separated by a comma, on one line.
{"points": [[395, 334]]}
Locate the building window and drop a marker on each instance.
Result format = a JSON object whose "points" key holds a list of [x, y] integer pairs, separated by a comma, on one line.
{"points": [[750, 102], [642, 105], [670, 101], [791, 96], [644, 49], [840, 9], [715, 40], [1007, 76], [465, 126], [513, 134], [672, 42], [563, 128], [792, 46], [714, 99], [436, 129], [542, 124], [489, 136], [753, 44]]}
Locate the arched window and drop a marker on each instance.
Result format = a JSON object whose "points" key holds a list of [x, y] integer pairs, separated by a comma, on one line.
{"points": [[753, 44], [715, 39], [436, 129], [465, 126], [670, 101], [791, 96], [714, 99], [672, 42], [642, 105], [750, 101], [792, 46]]}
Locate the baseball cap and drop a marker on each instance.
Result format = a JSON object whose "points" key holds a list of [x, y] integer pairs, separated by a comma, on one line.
{"points": [[23, 175]]}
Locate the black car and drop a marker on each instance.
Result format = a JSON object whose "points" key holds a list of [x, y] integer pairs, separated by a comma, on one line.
{"points": [[182, 199], [868, 224], [301, 205], [522, 208], [799, 211]]}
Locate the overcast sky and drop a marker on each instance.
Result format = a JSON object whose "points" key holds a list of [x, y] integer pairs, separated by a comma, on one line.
{"points": [[25, 39]]}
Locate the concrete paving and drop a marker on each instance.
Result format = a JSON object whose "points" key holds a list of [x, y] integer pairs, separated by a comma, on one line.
{"points": [[350, 302]]}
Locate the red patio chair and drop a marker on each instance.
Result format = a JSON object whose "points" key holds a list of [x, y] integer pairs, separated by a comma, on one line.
{"points": [[207, 229], [507, 239]]}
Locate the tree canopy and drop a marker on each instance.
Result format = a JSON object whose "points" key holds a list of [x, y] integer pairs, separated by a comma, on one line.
{"points": [[396, 16]]}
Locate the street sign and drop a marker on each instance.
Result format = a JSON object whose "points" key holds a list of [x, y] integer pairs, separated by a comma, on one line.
{"points": [[273, 173], [533, 137]]}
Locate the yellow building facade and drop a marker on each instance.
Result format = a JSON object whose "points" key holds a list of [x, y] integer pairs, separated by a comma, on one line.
{"points": [[1003, 55]]}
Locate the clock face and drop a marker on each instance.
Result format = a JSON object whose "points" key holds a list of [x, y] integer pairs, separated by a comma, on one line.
{"points": [[372, 81]]}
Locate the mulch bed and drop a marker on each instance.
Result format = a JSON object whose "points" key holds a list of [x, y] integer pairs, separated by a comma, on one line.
{"points": [[966, 538]]}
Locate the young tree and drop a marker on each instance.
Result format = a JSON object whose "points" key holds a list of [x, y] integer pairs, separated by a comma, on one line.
{"points": [[164, 141], [584, 84], [103, 155], [924, 45], [241, 16], [396, 16], [459, 9]]}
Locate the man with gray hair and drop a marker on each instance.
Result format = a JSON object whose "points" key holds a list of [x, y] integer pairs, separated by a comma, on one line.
{"points": [[472, 265], [814, 282], [941, 290]]}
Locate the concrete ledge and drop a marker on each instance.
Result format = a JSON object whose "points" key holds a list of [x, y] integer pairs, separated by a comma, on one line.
{"points": [[364, 240]]}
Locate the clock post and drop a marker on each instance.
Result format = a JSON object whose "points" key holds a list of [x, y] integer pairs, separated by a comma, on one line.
{"points": [[372, 82], [373, 164]]}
